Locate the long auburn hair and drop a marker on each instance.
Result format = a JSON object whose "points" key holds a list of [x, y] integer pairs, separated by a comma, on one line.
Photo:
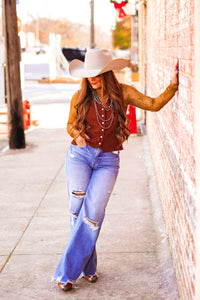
{"points": [[112, 89]]}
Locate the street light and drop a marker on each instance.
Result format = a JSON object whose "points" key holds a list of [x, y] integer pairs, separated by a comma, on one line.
{"points": [[92, 42]]}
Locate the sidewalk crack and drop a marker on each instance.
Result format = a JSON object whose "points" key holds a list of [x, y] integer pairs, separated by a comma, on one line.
{"points": [[31, 219]]}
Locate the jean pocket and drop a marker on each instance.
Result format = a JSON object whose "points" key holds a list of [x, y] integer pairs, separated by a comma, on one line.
{"points": [[79, 150], [79, 147]]}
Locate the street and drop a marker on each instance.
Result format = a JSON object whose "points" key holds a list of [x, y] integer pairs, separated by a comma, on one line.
{"points": [[49, 102], [35, 66], [49, 106], [42, 93], [45, 97]]}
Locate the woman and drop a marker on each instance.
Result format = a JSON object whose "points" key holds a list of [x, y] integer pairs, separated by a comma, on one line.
{"points": [[97, 124]]}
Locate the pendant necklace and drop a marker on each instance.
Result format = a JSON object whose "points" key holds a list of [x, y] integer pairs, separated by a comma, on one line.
{"points": [[101, 121]]}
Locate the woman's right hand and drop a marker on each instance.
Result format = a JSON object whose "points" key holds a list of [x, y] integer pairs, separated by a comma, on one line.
{"points": [[175, 75], [81, 140]]}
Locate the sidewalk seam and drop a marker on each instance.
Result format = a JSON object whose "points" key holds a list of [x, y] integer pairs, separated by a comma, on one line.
{"points": [[31, 219]]}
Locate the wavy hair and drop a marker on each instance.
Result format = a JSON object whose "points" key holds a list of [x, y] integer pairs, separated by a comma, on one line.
{"points": [[112, 89]]}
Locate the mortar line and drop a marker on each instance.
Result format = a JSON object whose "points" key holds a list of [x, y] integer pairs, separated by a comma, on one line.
{"points": [[34, 214]]}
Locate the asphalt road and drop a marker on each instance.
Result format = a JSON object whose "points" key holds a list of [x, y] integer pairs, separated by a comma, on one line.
{"points": [[49, 102], [45, 93], [35, 67]]}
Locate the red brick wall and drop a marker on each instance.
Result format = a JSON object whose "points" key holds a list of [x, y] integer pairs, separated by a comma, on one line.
{"points": [[170, 34]]}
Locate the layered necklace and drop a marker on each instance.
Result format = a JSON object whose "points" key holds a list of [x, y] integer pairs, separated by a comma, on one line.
{"points": [[103, 123]]}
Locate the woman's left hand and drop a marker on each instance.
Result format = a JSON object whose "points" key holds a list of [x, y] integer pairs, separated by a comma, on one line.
{"points": [[174, 78]]}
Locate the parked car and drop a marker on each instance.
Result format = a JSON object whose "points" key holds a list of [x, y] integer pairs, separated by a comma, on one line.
{"points": [[74, 53]]}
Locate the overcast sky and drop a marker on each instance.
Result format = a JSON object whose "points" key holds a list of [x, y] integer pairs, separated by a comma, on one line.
{"points": [[77, 11]]}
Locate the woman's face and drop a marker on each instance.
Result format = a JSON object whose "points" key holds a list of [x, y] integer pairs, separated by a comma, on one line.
{"points": [[96, 82]]}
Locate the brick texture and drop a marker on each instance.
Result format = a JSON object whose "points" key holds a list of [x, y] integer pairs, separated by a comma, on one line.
{"points": [[170, 35]]}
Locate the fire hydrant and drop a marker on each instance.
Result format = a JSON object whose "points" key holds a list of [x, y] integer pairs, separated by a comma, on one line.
{"points": [[132, 122], [27, 114]]}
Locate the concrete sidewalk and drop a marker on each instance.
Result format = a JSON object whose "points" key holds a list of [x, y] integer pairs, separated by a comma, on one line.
{"points": [[134, 261]]}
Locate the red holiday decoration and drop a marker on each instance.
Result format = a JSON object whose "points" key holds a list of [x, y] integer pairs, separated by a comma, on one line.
{"points": [[119, 6]]}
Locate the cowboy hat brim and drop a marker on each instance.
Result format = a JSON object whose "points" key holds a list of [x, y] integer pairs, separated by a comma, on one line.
{"points": [[77, 68]]}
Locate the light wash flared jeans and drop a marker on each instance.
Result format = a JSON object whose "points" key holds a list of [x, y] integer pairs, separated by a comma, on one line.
{"points": [[91, 175]]}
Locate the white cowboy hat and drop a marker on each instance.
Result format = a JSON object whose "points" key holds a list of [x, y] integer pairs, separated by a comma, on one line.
{"points": [[97, 61]]}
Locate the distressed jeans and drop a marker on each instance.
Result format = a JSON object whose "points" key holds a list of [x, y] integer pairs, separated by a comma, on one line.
{"points": [[91, 175]]}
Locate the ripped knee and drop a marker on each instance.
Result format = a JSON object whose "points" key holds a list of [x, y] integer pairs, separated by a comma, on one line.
{"points": [[79, 194], [92, 224]]}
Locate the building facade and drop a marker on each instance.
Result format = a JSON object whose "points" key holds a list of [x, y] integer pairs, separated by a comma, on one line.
{"points": [[169, 30]]}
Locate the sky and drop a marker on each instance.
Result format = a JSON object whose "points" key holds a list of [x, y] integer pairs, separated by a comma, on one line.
{"points": [[77, 11]]}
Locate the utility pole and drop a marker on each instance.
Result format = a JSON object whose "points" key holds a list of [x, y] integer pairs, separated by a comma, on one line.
{"points": [[13, 83], [92, 42]]}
